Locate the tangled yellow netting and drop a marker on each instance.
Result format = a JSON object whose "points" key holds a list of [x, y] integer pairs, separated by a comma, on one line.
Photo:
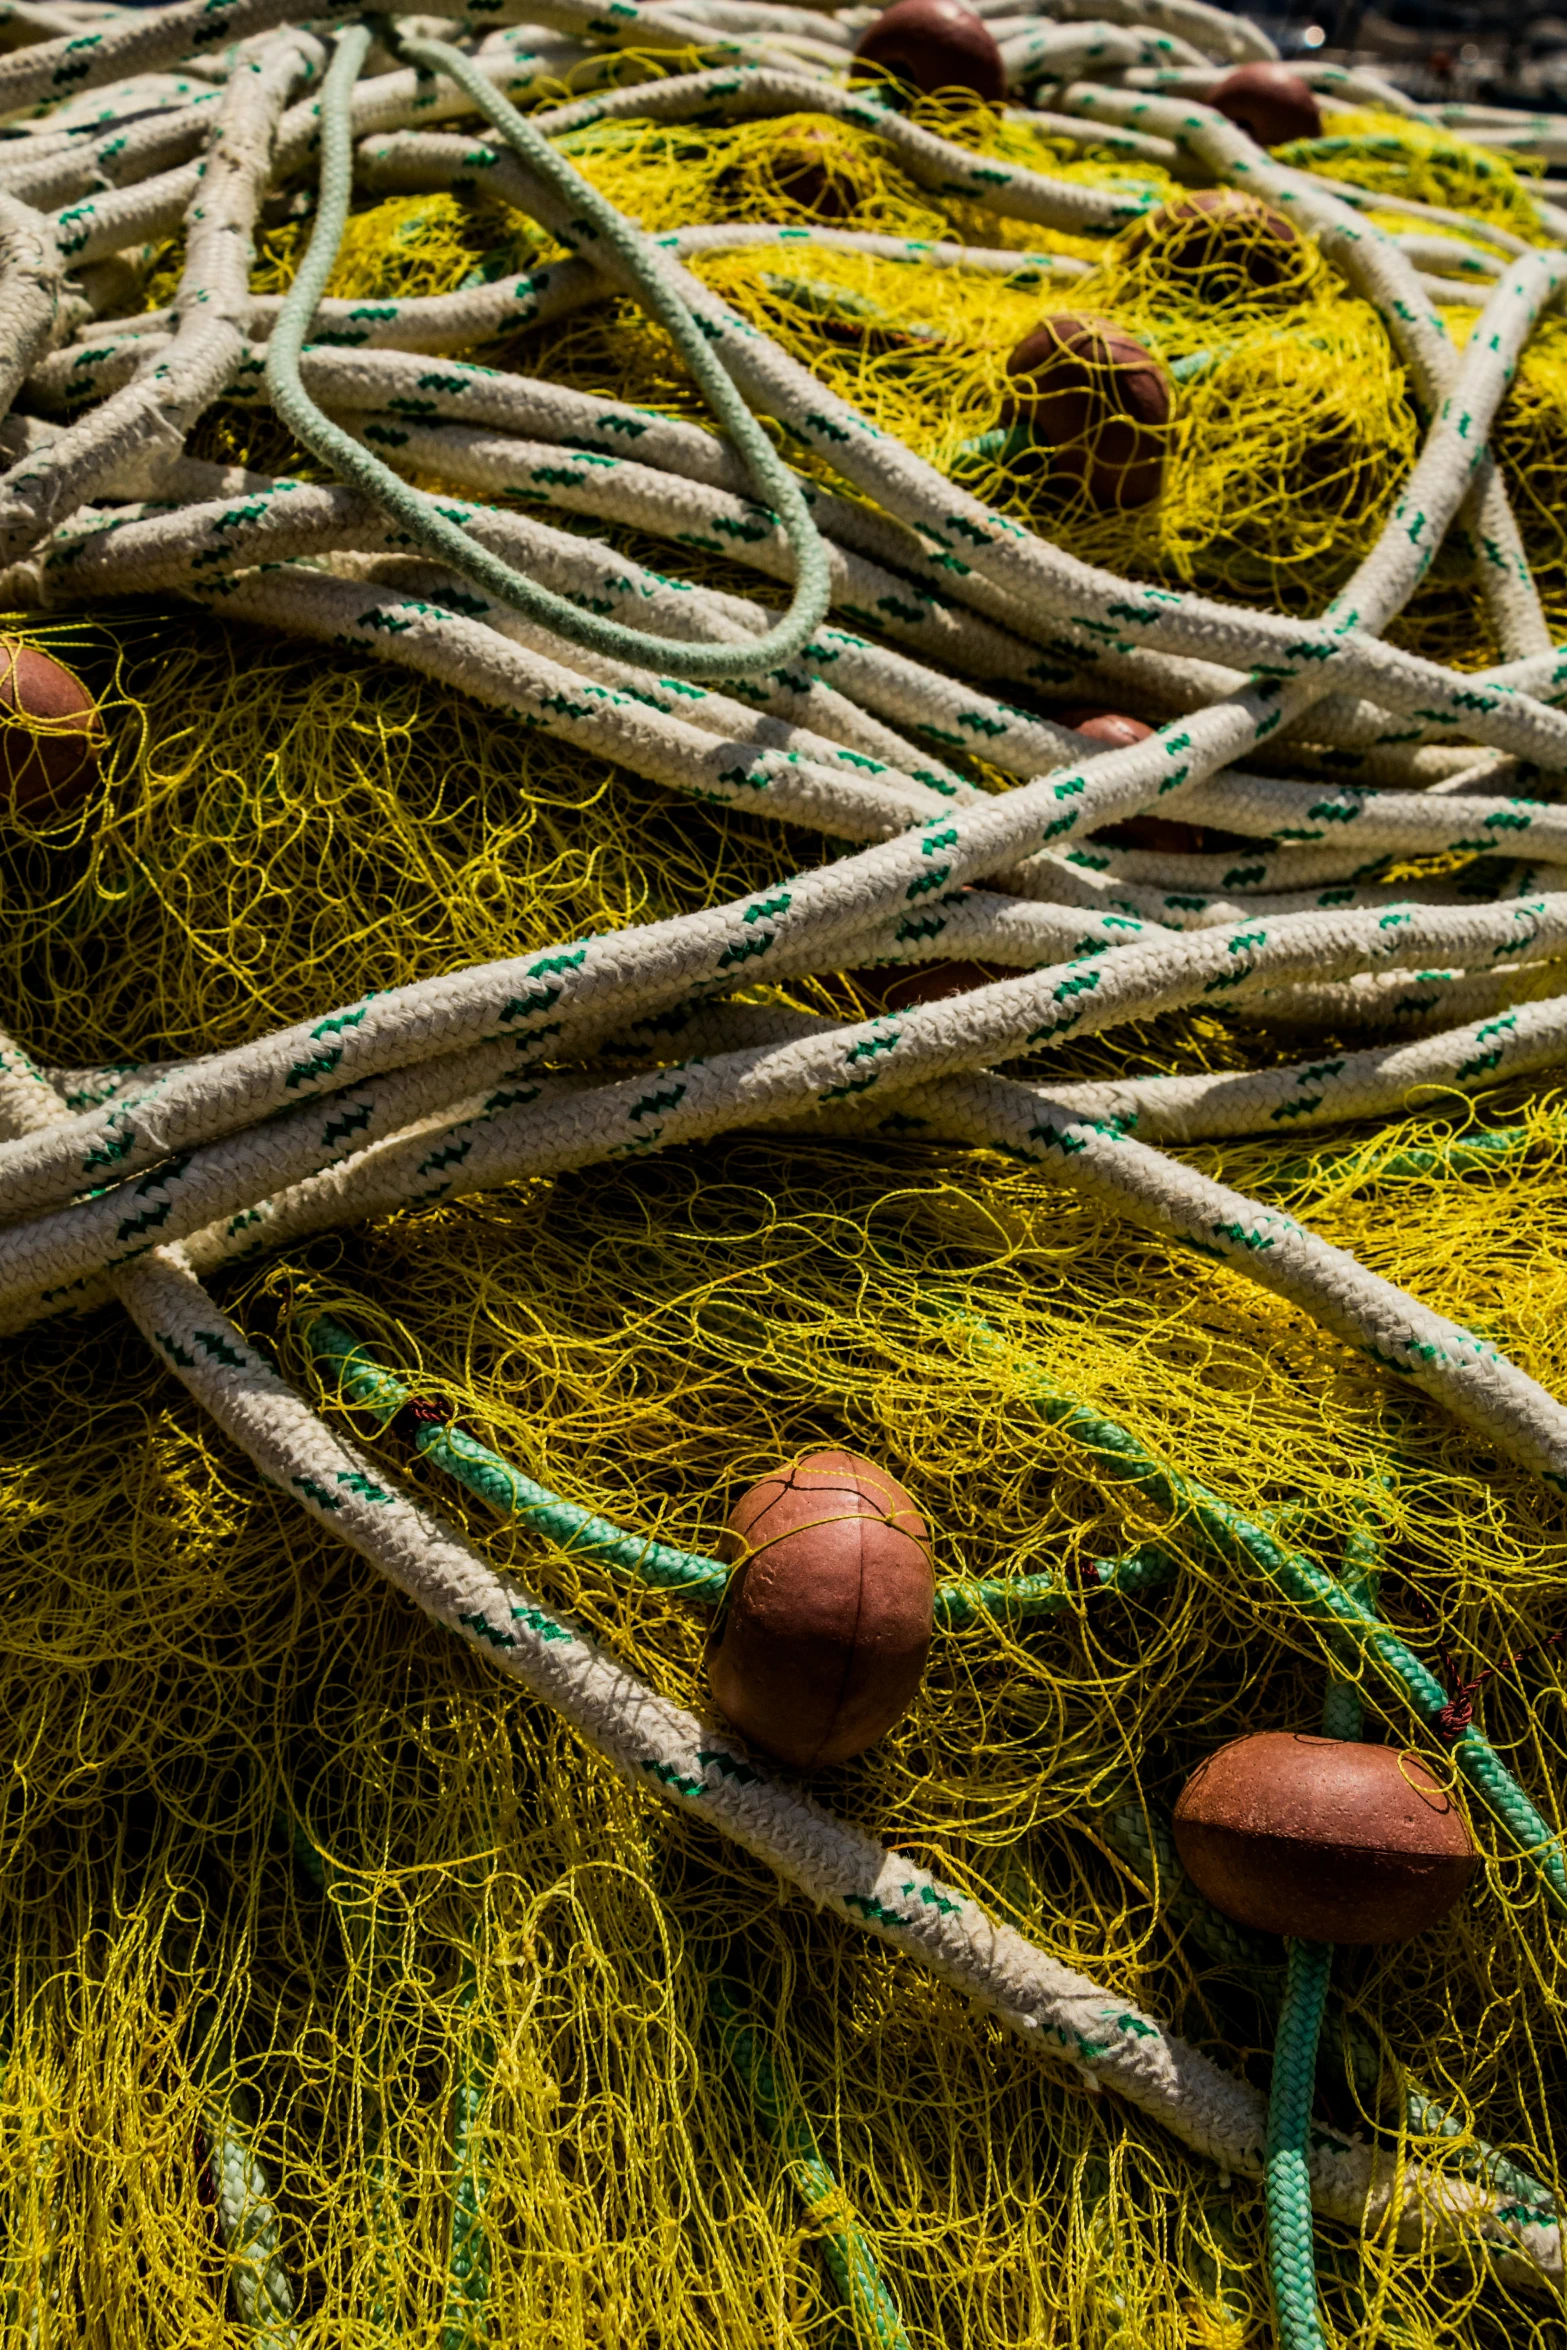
{"points": [[256, 1802]]}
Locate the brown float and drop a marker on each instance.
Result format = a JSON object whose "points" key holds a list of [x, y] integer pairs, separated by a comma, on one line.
{"points": [[1099, 401], [1325, 1839], [51, 734], [822, 1636], [930, 45]]}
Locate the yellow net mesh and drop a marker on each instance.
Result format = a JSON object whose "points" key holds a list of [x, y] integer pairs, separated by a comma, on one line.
{"points": [[274, 1841]]}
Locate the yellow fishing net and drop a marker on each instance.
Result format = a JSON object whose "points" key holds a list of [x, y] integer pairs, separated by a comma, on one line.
{"points": [[268, 1828]]}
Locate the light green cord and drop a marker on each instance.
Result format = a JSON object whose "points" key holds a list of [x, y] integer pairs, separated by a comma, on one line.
{"points": [[248, 2223], [850, 2259], [1237, 1539], [1292, 2263], [420, 516], [369, 1386]]}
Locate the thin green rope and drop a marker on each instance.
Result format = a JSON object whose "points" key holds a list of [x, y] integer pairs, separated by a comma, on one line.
{"points": [[1234, 1537], [1342, 1712], [369, 1386], [366, 1384], [1140, 1834], [1479, 1150], [426, 522], [1044, 1595], [850, 2259], [1238, 1540], [248, 2223], [1292, 2262]]}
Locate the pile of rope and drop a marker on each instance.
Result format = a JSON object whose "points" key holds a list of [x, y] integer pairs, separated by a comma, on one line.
{"points": [[489, 988]]}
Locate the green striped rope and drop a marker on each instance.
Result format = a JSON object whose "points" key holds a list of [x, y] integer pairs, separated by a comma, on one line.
{"points": [[427, 523], [848, 2255], [1292, 2261], [1308, 1968], [1343, 1715], [1232, 1536], [1041, 1595], [1139, 1834], [1476, 1151], [368, 1386]]}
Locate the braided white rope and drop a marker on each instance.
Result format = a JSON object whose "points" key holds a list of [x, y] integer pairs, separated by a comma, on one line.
{"points": [[971, 538], [173, 385], [809, 914], [821, 915], [479, 314], [1213, 31], [555, 1124], [29, 292], [114, 157], [1056, 53], [1425, 1004], [1329, 1088], [101, 224], [1373, 263], [658, 1747]]}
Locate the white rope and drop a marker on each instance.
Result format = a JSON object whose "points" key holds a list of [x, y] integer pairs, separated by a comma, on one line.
{"points": [[443, 1087]]}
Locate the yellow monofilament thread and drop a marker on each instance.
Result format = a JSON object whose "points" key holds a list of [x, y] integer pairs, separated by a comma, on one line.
{"points": [[195, 1675]]}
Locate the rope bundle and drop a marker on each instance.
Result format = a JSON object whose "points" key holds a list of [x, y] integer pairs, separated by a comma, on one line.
{"points": [[980, 817]]}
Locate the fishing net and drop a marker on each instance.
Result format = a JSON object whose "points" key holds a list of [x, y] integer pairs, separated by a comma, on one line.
{"points": [[309, 1915]]}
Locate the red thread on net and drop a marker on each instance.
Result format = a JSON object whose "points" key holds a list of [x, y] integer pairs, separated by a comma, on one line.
{"points": [[1458, 1714], [420, 1411]]}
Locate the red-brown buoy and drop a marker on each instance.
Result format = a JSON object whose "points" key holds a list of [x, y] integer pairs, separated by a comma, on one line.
{"points": [[822, 1636], [815, 167], [1268, 102], [923, 983], [930, 45], [1325, 1839], [51, 734], [1099, 401], [1221, 245]]}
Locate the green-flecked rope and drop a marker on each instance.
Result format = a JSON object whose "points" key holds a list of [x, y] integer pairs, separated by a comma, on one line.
{"points": [[1476, 1151], [1040, 1595], [849, 2257], [468, 2260], [247, 2218], [370, 1387], [1237, 1539], [1292, 2265], [422, 517], [1342, 1712]]}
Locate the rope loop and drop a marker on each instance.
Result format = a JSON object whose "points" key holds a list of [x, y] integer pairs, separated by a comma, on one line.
{"points": [[636, 260]]}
